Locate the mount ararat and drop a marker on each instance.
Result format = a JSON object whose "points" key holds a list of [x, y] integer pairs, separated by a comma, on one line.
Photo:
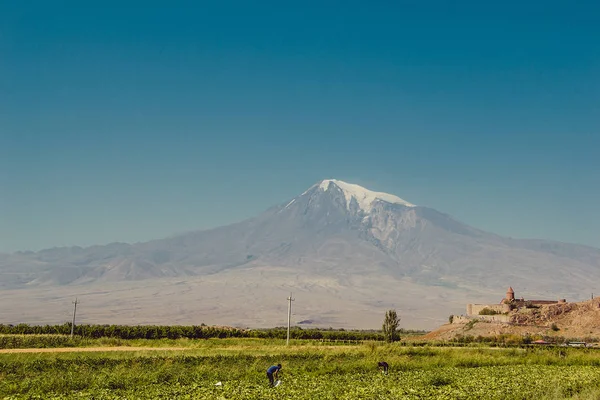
{"points": [[346, 252]]}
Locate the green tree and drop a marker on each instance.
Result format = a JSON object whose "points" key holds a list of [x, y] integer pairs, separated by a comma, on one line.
{"points": [[390, 326]]}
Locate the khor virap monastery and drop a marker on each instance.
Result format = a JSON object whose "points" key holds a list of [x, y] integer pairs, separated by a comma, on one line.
{"points": [[498, 312]]}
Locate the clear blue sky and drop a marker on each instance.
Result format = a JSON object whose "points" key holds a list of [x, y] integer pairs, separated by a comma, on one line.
{"points": [[133, 122]]}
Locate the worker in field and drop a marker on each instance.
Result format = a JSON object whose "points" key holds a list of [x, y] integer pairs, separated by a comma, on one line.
{"points": [[383, 367], [272, 373]]}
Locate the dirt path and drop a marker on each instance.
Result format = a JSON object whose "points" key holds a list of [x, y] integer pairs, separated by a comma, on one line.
{"points": [[90, 349]]}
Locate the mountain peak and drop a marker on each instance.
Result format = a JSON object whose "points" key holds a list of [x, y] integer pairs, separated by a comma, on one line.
{"points": [[363, 197]]}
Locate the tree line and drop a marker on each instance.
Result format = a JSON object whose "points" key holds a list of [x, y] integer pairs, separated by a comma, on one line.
{"points": [[190, 332]]}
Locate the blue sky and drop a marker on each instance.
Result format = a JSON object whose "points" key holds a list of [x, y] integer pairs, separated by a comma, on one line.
{"points": [[126, 121]]}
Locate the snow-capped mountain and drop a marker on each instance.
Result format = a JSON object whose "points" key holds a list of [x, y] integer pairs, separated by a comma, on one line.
{"points": [[345, 247], [357, 197]]}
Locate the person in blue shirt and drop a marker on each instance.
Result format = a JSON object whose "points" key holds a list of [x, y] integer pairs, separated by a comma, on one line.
{"points": [[272, 373]]}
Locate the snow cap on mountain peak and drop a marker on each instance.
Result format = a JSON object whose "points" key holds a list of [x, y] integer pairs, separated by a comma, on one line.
{"points": [[364, 197]]}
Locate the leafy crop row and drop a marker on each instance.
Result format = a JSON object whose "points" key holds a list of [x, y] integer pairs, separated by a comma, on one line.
{"points": [[310, 371]]}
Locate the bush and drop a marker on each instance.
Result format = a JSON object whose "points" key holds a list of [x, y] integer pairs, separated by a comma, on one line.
{"points": [[529, 304], [488, 311], [470, 324]]}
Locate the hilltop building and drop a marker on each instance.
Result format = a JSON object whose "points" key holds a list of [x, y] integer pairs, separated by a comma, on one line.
{"points": [[499, 312]]}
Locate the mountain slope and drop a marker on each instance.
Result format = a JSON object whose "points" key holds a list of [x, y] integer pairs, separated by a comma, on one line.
{"points": [[334, 232]]}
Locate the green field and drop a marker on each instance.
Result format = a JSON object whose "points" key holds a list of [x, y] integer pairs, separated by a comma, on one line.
{"points": [[311, 371]]}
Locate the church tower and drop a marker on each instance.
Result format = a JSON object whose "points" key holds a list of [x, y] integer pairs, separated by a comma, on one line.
{"points": [[510, 295]]}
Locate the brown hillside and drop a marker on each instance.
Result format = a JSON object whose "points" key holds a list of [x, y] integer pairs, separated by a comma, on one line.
{"points": [[573, 320]]}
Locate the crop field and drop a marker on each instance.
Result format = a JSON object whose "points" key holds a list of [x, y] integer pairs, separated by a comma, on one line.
{"points": [[310, 371]]}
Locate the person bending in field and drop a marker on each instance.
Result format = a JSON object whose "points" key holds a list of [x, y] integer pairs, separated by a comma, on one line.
{"points": [[272, 373], [383, 367]]}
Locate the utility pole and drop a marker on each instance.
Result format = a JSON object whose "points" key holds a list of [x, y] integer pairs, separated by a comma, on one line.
{"points": [[289, 317], [73, 324]]}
